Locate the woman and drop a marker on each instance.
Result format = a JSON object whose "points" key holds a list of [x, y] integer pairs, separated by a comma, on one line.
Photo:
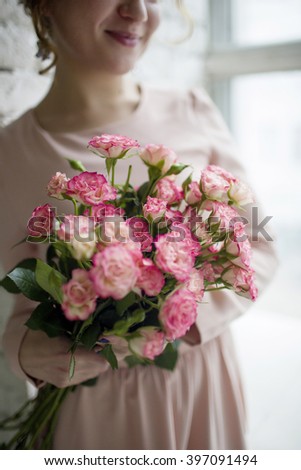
{"points": [[200, 404]]}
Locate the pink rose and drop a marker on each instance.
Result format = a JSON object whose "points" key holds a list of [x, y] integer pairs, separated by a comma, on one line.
{"points": [[139, 224], [101, 211], [226, 175], [228, 219], [115, 272], [173, 215], [79, 232], [157, 155], [79, 297], [154, 209], [194, 194], [113, 146], [240, 193], [90, 188], [40, 223], [150, 278], [168, 191], [242, 252], [149, 344], [139, 233], [174, 257], [57, 186], [215, 183], [242, 281], [201, 231], [146, 242], [114, 230], [208, 272], [216, 247], [178, 313], [181, 231], [195, 284]]}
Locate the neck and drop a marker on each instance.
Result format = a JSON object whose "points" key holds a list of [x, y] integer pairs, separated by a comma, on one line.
{"points": [[84, 99]]}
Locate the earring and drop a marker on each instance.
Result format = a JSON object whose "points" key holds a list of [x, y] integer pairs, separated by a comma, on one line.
{"points": [[43, 51]]}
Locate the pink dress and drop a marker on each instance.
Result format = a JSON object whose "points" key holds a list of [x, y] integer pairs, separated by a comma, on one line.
{"points": [[200, 405]]}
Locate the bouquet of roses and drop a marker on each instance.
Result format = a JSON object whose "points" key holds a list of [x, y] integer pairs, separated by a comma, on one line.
{"points": [[127, 269]]}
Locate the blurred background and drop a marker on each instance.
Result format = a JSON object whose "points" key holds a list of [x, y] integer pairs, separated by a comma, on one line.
{"points": [[247, 54]]}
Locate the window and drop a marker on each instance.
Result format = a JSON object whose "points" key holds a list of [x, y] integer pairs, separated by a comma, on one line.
{"points": [[259, 22], [253, 72], [256, 82]]}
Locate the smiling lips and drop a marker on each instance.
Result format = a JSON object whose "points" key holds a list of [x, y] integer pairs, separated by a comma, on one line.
{"points": [[127, 39]]}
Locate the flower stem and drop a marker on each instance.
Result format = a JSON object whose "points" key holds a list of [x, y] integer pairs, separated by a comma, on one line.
{"points": [[43, 414], [58, 396], [17, 415], [156, 306], [75, 206], [216, 288], [113, 172], [128, 179]]}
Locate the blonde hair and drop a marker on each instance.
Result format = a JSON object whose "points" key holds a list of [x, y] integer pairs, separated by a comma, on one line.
{"points": [[180, 4]]}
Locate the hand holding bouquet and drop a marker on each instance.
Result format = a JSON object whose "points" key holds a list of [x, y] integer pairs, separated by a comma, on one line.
{"points": [[126, 270]]}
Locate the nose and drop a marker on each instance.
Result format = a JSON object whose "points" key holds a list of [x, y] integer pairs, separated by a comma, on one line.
{"points": [[134, 9]]}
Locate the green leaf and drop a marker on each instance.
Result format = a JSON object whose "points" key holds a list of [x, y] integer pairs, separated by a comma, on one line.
{"points": [[121, 327], [90, 382], [25, 282], [62, 247], [154, 172], [50, 280], [76, 165], [168, 359], [133, 361], [56, 280], [9, 285], [89, 333], [108, 353], [169, 286], [28, 263], [46, 317], [81, 209], [51, 255], [176, 169], [187, 182], [123, 304], [142, 191]]}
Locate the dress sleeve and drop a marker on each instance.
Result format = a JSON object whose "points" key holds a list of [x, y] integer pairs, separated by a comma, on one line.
{"points": [[14, 212], [15, 328], [222, 307]]}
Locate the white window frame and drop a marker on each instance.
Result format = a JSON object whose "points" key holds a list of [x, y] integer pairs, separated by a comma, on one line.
{"points": [[225, 60]]}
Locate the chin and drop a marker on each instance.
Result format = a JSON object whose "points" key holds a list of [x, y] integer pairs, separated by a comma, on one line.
{"points": [[121, 68]]}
